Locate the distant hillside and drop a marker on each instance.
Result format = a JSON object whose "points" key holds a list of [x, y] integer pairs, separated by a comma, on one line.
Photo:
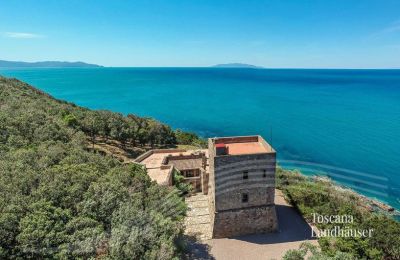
{"points": [[46, 64], [236, 65]]}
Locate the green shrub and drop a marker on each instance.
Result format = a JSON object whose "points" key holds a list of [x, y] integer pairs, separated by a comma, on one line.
{"points": [[180, 184], [58, 200], [312, 195]]}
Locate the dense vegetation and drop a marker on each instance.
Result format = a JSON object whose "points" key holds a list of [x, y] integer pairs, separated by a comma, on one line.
{"points": [[323, 197], [190, 139], [60, 199]]}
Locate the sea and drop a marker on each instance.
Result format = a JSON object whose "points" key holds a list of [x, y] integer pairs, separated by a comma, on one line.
{"points": [[343, 124]]}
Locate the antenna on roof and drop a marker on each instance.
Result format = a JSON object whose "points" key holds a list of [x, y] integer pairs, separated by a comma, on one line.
{"points": [[270, 136]]}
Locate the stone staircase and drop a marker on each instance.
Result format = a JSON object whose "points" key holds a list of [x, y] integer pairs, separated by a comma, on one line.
{"points": [[197, 222]]}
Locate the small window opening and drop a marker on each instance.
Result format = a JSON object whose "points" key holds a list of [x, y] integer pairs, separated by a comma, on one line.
{"points": [[245, 175], [245, 197], [264, 173]]}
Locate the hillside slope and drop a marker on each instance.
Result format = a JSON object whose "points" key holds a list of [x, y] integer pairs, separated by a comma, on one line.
{"points": [[237, 65], [59, 199]]}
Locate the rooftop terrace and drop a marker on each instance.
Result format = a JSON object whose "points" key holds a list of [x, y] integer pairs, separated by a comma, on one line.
{"points": [[241, 145], [159, 163]]}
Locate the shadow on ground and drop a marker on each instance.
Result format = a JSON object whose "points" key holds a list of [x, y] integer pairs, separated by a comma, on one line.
{"points": [[195, 249], [292, 228]]}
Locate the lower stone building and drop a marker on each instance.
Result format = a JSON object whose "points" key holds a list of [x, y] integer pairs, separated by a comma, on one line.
{"points": [[192, 164], [193, 168]]}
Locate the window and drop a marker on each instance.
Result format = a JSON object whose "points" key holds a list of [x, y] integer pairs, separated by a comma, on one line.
{"points": [[265, 174], [245, 175], [245, 197], [188, 174], [191, 173]]}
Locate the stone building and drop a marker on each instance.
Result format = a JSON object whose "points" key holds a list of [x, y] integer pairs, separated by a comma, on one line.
{"points": [[241, 186], [192, 164], [236, 173], [193, 168]]}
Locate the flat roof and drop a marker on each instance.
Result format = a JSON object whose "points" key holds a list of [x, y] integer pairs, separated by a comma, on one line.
{"points": [[186, 164], [161, 176], [240, 145], [246, 148], [154, 163]]}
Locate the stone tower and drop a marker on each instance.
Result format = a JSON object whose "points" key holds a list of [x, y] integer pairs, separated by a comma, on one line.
{"points": [[241, 186]]}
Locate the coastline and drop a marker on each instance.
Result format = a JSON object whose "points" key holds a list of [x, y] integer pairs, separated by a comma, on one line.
{"points": [[371, 200], [87, 130], [371, 204]]}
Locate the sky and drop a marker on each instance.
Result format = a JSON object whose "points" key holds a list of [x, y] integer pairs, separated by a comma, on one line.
{"points": [[192, 33]]}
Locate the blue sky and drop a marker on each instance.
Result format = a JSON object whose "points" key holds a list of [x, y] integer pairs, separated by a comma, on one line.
{"points": [[278, 34]]}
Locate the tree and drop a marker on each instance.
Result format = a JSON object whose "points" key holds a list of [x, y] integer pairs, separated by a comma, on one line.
{"points": [[85, 238], [42, 230], [92, 125], [189, 138], [106, 127], [60, 201], [70, 120], [67, 183], [9, 227], [386, 236], [142, 234]]}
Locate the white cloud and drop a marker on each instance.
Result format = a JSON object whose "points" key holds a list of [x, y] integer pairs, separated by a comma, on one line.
{"points": [[22, 35], [392, 28], [395, 27]]}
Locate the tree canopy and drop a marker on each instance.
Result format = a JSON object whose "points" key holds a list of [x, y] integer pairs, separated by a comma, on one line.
{"points": [[60, 199]]}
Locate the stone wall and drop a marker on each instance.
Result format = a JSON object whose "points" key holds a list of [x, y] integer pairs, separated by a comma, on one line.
{"points": [[140, 158], [204, 181], [230, 223], [211, 178], [183, 157], [236, 139], [230, 184], [233, 177]]}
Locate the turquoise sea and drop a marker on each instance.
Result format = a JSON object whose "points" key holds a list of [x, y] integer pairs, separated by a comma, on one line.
{"points": [[342, 123]]}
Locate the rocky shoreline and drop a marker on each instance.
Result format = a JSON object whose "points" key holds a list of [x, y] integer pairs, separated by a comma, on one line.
{"points": [[372, 205]]}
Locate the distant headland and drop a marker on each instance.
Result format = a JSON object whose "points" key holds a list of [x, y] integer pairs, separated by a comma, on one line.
{"points": [[237, 65], [46, 64]]}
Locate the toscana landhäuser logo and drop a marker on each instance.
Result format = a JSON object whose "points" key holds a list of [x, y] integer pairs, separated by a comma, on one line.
{"points": [[342, 227]]}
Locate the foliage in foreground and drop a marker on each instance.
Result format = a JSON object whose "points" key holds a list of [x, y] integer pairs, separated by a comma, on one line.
{"points": [[311, 252], [323, 197], [59, 200]]}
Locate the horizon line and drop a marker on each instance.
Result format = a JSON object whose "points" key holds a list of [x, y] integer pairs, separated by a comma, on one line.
{"points": [[259, 67], [207, 67], [217, 66]]}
